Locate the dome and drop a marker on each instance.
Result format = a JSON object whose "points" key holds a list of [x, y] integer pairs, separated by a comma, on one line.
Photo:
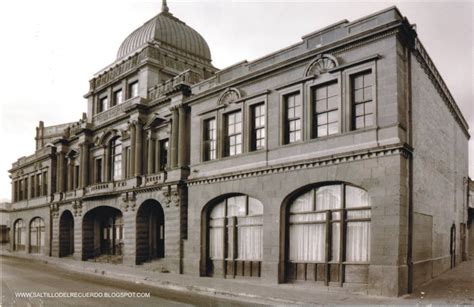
{"points": [[167, 29]]}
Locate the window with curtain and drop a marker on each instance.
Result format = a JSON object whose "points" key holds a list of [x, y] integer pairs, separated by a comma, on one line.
{"points": [[116, 159], [326, 110], [118, 97], [37, 235], [19, 235], [315, 220], [133, 89], [233, 135], [363, 106], [258, 127], [210, 139], [293, 114], [235, 229]]}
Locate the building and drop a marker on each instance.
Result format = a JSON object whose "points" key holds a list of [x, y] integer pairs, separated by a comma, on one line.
{"points": [[340, 161], [470, 235], [5, 208]]}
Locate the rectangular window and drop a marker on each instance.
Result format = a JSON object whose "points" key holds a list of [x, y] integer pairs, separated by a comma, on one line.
{"points": [[233, 136], [103, 103], [45, 183], [258, 127], [128, 162], [164, 144], [326, 110], [118, 97], [33, 186], [39, 185], [25, 193], [293, 118], [133, 89], [363, 106], [98, 170], [210, 139]]}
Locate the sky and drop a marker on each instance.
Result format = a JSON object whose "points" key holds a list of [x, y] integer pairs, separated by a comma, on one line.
{"points": [[50, 49]]}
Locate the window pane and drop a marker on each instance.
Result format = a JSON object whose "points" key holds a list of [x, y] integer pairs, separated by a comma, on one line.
{"points": [[218, 210], [216, 240], [328, 197], [333, 103], [358, 96], [250, 243], [358, 242], [356, 197], [333, 116], [236, 206], [322, 119], [321, 106], [303, 203], [307, 242], [322, 131], [333, 128]]}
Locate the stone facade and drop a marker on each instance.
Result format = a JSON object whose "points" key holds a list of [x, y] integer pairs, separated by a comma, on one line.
{"points": [[167, 138]]}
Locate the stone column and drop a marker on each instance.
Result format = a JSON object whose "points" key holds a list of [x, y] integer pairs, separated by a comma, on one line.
{"points": [[138, 148], [77, 255], [132, 149], [130, 237], [183, 142], [174, 138], [151, 153]]}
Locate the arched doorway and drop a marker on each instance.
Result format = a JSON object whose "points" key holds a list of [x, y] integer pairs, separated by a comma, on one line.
{"points": [[232, 237], [102, 235], [150, 232], [37, 235], [66, 234]]}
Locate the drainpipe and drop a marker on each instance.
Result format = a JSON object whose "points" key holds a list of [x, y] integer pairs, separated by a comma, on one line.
{"points": [[410, 170]]}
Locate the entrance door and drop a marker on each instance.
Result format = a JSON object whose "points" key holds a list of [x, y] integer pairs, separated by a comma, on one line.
{"points": [[150, 232], [111, 235], [156, 234]]}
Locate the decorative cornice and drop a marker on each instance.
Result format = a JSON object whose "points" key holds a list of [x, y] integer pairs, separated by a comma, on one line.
{"points": [[400, 149]]}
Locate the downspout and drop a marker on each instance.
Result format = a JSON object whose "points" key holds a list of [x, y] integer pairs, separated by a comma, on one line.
{"points": [[410, 170]]}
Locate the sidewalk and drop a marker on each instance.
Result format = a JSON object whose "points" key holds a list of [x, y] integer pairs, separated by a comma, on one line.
{"points": [[253, 291]]}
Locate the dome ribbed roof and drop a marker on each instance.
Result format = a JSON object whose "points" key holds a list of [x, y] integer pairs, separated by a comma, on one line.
{"points": [[167, 29]]}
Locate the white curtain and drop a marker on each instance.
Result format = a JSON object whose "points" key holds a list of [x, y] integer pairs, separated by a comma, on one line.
{"points": [[216, 240], [307, 242], [249, 242], [358, 242], [249, 224]]}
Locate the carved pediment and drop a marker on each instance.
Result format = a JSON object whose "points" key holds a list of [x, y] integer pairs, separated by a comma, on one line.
{"points": [[321, 64], [229, 96]]}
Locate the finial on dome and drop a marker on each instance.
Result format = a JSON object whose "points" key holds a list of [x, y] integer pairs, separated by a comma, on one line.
{"points": [[164, 7]]}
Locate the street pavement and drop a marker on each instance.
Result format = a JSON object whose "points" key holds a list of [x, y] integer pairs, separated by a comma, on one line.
{"points": [[20, 275]]}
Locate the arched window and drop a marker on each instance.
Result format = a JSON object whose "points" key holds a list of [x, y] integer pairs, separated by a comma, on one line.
{"points": [[19, 235], [116, 159], [319, 220], [37, 235], [235, 235]]}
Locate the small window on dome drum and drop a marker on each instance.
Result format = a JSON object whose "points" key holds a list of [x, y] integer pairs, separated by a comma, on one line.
{"points": [[133, 89]]}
